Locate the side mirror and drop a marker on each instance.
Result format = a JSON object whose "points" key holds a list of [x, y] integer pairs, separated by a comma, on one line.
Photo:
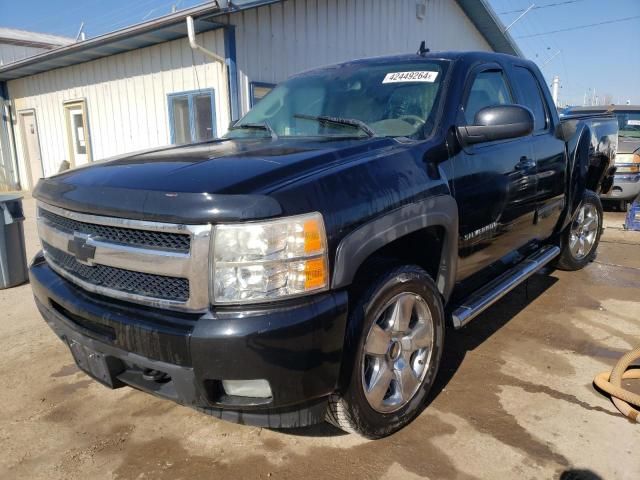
{"points": [[499, 122]]}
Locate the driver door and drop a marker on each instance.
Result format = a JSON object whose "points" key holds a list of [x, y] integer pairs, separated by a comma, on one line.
{"points": [[494, 182]]}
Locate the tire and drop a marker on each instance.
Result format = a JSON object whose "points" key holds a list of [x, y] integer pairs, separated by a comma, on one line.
{"points": [[581, 238], [403, 350], [624, 206]]}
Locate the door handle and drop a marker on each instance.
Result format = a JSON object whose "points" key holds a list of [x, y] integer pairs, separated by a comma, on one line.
{"points": [[525, 163]]}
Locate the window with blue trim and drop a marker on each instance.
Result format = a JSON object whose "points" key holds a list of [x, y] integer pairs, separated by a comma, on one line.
{"points": [[192, 116], [258, 90]]}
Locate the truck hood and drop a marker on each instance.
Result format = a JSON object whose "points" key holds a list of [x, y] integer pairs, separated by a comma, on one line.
{"points": [[223, 180]]}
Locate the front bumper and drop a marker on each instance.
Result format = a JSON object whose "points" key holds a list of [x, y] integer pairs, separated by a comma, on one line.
{"points": [[296, 346], [625, 187]]}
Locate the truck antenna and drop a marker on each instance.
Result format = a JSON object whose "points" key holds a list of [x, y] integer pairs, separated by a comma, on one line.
{"points": [[423, 48]]}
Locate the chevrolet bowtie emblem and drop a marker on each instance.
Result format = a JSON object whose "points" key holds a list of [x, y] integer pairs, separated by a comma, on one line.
{"points": [[78, 247]]}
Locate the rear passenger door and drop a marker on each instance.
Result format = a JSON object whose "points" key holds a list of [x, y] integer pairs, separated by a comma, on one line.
{"points": [[494, 182], [548, 151]]}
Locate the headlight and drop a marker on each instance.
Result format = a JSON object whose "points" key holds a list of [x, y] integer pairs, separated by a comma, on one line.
{"points": [[270, 260], [628, 163]]}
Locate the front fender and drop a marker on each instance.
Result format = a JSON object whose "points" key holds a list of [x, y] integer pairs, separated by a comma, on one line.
{"points": [[360, 244]]}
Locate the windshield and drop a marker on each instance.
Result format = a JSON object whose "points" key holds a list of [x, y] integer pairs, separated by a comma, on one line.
{"points": [[354, 100], [628, 124]]}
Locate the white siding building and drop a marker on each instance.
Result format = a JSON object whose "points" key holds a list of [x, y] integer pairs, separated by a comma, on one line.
{"points": [[144, 86], [14, 46], [18, 44]]}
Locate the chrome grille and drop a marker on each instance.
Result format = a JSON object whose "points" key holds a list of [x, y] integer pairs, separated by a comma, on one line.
{"points": [[127, 236], [147, 284], [152, 263]]}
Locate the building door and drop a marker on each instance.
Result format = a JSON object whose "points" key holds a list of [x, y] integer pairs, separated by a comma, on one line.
{"points": [[31, 146], [77, 133]]}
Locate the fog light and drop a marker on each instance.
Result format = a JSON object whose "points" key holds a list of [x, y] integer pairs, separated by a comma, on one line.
{"points": [[247, 388]]}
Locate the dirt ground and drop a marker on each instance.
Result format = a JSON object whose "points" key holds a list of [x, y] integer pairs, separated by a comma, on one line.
{"points": [[514, 399]]}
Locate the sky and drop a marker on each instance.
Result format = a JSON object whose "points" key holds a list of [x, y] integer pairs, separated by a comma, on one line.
{"points": [[604, 59]]}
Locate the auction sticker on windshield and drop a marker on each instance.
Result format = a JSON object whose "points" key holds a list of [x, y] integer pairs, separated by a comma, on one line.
{"points": [[423, 76]]}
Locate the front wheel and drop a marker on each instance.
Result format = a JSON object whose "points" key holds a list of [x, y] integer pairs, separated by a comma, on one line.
{"points": [[397, 329], [582, 236]]}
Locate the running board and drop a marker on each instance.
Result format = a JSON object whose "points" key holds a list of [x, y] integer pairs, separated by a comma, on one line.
{"points": [[486, 296]]}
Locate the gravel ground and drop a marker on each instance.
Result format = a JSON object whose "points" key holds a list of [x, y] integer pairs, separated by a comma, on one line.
{"points": [[514, 399]]}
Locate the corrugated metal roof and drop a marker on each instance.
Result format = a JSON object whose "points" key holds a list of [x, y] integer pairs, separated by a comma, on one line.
{"points": [[490, 26], [173, 26], [32, 39], [159, 30]]}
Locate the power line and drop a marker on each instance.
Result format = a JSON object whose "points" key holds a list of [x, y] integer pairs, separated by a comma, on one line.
{"points": [[580, 26], [518, 18], [52, 19], [112, 14], [547, 5]]}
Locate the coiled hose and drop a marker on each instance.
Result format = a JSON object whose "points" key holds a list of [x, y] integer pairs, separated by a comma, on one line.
{"points": [[612, 384]]}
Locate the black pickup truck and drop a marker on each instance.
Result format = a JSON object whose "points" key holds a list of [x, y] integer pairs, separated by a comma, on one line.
{"points": [[305, 266]]}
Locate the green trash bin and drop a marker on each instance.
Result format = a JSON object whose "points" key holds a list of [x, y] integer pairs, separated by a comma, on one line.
{"points": [[13, 256]]}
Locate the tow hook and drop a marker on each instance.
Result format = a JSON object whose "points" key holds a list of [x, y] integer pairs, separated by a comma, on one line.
{"points": [[155, 375]]}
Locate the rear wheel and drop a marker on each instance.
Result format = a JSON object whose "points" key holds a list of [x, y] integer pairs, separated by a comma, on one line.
{"points": [[624, 205], [582, 237], [394, 361]]}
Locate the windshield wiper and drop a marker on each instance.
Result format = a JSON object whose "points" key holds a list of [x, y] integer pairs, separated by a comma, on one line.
{"points": [[258, 126], [351, 122]]}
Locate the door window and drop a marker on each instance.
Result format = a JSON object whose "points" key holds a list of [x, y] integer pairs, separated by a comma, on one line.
{"points": [[31, 146], [78, 137], [192, 116], [489, 88], [531, 97], [77, 130]]}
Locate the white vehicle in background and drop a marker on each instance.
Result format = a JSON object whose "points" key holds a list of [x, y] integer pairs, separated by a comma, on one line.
{"points": [[626, 183]]}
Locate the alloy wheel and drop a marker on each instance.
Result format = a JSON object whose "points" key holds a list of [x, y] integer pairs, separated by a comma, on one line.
{"points": [[584, 231], [397, 352]]}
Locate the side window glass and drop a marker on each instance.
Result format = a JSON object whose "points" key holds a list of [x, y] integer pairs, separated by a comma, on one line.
{"points": [[531, 96], [488, 88]]}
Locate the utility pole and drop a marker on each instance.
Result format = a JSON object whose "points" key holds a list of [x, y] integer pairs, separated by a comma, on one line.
{"points": [[555, 87], [519, 17], [80, 36]]}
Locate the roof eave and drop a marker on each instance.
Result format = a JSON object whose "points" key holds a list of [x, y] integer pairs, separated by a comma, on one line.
{"points": [[172, 26]]}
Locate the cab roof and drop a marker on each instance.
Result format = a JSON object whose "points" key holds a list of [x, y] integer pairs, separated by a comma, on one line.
{"points": [[445, 55], [452, 56]]}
